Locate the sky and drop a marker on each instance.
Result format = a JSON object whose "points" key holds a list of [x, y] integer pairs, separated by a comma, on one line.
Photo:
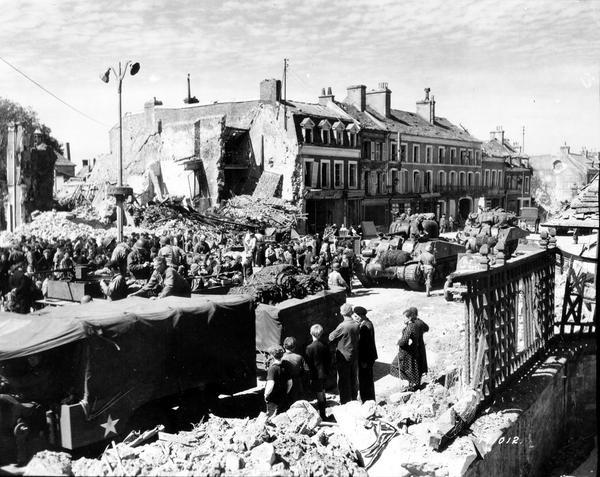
{"points": [[489, 63]]}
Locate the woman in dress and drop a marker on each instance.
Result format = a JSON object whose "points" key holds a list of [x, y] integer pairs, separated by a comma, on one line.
{"points": [[411, 362]]}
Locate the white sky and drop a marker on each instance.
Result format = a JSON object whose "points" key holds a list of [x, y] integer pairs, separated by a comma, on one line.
{"points": [[533, 63]]}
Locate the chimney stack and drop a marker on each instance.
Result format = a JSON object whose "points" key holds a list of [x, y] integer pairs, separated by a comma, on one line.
{"points": [[426, 108], [356, 96], [270, 91], [380, 100], [325, 97], [68, 150], [190, 99]]}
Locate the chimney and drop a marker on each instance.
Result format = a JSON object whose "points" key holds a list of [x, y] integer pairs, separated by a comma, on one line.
{"points": [[270, 90], [357, 96], [426, 108], [325, 97], [190, 99], [68, 150], [500, 134], [380, 100], [85, 164]]}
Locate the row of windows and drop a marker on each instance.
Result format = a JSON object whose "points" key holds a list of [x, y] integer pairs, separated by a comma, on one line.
{"points": [[377, 151], [338, 133], [418, 182], [318, 175]]}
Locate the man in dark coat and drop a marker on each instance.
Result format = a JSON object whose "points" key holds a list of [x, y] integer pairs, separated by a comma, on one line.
{"points": [[165, 281], [318, 360], [116, 288], [345, 337], [412, 358], [367, 355]]}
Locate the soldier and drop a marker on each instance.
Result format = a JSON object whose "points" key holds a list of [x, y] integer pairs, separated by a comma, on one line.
{"points": [[443, 224], [116, 289], [427, 261]]}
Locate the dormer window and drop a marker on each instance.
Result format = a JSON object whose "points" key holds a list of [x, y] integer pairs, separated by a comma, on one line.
{"points": [[325, 127], [352, 130], [338, 132], [307, 129]]}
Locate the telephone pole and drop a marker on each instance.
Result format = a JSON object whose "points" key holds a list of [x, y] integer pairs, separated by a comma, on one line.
{"points": [[285, 67], [523, 141]]}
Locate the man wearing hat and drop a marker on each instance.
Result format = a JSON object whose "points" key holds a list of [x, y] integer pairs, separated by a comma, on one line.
{"points": [[116, 288], [345, 338], [138, 261], [367, 354]]}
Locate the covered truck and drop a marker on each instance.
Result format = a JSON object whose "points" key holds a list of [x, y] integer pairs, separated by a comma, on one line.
{"points": [[82, 374]]}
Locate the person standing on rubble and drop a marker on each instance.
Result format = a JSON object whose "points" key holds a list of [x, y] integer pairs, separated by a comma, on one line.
{"points": [[318, 360], [279, 382], [412, 357], [297, 366], [345, 338], [367, 354]]}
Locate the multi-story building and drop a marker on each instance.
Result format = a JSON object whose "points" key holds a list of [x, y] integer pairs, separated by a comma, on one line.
{"points": [[416, 161]]}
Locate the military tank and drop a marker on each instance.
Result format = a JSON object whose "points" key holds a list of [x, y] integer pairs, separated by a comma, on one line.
{"points": [[395, 257], [496, 228]]}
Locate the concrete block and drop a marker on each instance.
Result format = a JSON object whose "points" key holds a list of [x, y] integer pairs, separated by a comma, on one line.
{"points": [[264, 454], [233, 462]]}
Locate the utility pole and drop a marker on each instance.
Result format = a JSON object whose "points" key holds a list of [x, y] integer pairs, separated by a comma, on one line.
{"points": [[523, 141], [285, 67]]}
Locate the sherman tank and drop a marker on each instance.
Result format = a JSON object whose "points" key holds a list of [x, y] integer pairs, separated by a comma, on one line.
{"points": [[394, 260], [496, 228]]}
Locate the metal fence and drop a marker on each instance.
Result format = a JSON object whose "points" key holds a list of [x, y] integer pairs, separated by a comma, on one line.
{"points": [[509, 318]]}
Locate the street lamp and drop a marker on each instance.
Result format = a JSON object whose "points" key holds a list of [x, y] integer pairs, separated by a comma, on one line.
{"points": [[120, 192]]}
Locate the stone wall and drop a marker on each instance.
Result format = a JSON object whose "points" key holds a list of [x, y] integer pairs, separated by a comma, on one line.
{"points": [[528, 423]]}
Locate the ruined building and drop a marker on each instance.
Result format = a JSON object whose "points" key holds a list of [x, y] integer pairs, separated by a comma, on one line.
{"points": [[30, 175]]}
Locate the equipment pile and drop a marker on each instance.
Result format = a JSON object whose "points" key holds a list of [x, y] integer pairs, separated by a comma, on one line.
{"points": [[277, 283]]}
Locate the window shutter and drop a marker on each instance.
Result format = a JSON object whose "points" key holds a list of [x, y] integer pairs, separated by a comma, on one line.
{"points": [[315, 175]]}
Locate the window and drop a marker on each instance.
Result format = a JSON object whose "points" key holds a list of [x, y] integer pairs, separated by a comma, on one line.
{"points": [[441, 155], [477, 158], [338, 174], [352, 139], [463, 156], [338, 132], [415, 153], [352, 175], [453, 156], [310, 173], [486, 178], [453, 178], [416, 181], [394, 152], [494, 179], [394, 181], [470, 179], [428, 181], [325, 174], [462, 178], [325, 136], [477, 179], [442, 178], [404, 182], [366, 182], [378, 151], [367, 150], [500, 183], [307, 129], [403, 149], [381, 189], [428, 154]]}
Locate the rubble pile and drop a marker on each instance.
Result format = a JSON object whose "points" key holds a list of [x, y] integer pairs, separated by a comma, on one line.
{"points": [[258, 212], [277, 283], [291, 444], [424, 404]]}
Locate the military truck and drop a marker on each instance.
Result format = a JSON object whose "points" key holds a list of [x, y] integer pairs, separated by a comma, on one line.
{"points": [[83, 374]]}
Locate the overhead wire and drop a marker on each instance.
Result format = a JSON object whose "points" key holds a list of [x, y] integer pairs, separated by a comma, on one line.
{"points": [[51, 93]]}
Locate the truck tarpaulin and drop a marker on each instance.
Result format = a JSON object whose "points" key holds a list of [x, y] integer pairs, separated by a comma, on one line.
{"points": [[135, 350]]}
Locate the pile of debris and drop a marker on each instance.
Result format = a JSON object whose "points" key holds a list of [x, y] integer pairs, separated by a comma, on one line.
{"points": [[259, 213], [292, 444], [277, 283]]}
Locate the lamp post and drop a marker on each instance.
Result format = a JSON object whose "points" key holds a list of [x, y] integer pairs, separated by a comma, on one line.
{"points": [[120, 192]]}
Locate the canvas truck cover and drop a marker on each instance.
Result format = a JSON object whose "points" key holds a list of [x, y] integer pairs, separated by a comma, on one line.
{"points": [[294, 318], [136, 350]]}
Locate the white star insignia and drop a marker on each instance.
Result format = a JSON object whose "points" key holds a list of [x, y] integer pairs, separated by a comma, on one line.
{"points": [[110, 426]]}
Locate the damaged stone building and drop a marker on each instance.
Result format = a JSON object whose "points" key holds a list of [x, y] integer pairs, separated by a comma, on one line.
{"points": [[342, 161], [29, 175]]}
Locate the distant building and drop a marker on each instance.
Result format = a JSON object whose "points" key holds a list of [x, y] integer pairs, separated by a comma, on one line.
{"points": [[506, 174], [558, 177], [64, 170]]}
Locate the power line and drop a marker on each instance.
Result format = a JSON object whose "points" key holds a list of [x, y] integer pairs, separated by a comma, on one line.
{"points": [[52, 94]]}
